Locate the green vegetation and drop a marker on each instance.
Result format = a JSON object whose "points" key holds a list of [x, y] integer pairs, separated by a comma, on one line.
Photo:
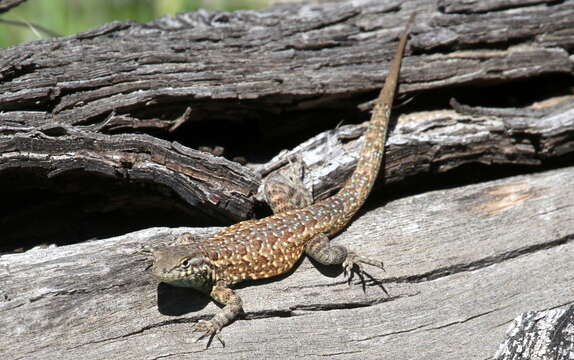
{"points": [[67, 17]]}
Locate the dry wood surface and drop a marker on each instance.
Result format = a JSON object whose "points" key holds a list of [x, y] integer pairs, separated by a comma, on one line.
{"points": [[461, 265], [99, 136]]}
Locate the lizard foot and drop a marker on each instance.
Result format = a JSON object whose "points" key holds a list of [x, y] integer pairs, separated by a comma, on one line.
{"points": [[353, 265], [210, 328]]}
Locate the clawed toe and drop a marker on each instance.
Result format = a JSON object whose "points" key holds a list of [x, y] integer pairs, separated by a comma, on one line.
{"points": [[208, 329], [352, 266]]}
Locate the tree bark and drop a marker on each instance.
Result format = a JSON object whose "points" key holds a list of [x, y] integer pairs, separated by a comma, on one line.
{"points": [[99, 135], [540, 335], [253, 83]]}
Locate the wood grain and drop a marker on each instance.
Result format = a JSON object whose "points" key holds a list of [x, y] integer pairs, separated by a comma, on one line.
{"points": [[461, 264], [97, 126], [249, 84]]}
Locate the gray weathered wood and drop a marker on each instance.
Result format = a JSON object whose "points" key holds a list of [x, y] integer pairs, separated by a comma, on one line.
{"points": [[214, 187], [437, 142], [285, 59], [220, 188], [461, 264], [540, 335]]}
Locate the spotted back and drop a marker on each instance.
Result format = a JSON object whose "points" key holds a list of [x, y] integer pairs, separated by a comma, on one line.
{"points": [[270, 246]]}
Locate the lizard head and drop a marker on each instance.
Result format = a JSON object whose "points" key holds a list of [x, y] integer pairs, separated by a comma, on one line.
{"points": [[182, 266]]}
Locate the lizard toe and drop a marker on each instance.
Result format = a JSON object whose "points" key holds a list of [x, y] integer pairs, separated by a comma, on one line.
{"points": [[208, 328], [353, 265]]}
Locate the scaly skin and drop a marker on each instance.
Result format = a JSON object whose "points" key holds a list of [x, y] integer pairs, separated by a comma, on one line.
{"points": [[258, 249]]}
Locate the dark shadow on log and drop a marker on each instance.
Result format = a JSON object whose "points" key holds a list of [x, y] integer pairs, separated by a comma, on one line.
{"points": [[78, 205], [173, 301]]}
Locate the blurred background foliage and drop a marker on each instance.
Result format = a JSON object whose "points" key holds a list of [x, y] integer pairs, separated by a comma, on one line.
{"points": [[67, 17]]}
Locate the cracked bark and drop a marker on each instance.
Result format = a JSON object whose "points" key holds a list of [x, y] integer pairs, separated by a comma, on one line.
{"points": [[105, 121], [541, 335], [182, 80], [455, 285]]}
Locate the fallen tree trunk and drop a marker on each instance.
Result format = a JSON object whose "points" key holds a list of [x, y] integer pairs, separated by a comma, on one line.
{"points": [[74, 165], [213, 187], [73, 108], [461, 264], [540, 335], [253, 65]]}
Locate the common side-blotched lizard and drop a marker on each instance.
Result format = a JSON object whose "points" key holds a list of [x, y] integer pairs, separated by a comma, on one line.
{"points": [[258, 249]]}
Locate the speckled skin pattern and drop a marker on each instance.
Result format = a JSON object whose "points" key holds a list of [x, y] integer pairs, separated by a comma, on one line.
{"points": [[257, 249]]}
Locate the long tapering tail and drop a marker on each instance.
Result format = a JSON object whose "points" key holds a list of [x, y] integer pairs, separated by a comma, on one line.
{"points": [[355, 191]]}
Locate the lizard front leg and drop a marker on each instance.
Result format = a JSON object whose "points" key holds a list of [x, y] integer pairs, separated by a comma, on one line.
{"points": [[233, 308], [320, 249]]}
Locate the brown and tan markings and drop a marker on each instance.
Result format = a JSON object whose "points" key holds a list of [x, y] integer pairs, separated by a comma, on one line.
{"points": [[258, 249]]}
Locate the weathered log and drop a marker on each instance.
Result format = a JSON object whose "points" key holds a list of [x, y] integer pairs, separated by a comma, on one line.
{"points": [[61, 181], [241, 81], [540, 335], [57, 149], [461, 264], [285, 59], [423, 143], [212, 187]]}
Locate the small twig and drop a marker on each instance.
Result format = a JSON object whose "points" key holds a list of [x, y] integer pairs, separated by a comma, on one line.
{"points": [[180, 120], [33, 27]]}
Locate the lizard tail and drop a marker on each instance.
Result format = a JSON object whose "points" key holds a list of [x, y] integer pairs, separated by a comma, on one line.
{"points": [[358, 187]]}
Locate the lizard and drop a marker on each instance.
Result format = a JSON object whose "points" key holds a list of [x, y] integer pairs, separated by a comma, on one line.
{"points": [[262, 248]]}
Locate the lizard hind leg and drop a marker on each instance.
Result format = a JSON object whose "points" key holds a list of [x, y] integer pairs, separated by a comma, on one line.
{"points": [[320, 249], [285, 190]]}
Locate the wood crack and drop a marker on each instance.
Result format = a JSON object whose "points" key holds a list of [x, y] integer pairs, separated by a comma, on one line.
{"points": [[62, 185], [398, 332], [458, 322], [480, 264]]}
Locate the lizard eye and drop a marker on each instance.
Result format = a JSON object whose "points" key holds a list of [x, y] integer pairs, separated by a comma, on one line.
{"points": [[185, 263]]}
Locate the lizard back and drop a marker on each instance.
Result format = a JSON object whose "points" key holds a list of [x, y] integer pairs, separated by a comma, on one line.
{"points": [[267, 247], [257, 249]]}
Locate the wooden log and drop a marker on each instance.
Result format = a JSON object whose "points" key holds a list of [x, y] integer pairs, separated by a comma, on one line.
{"points": [[540, 335], [284, 59], [423, 143], [234, 80], [76, 185], [461, 264], [220, 186], [214, 188]]}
